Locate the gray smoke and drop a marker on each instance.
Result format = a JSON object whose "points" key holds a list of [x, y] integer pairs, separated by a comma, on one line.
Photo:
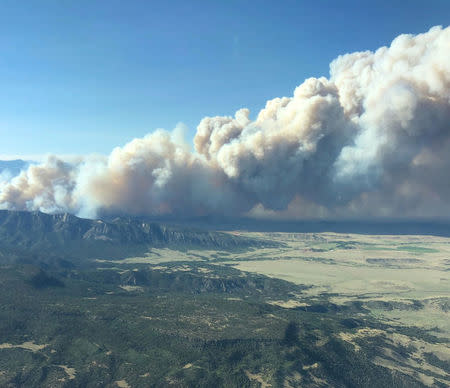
{"points": [[372, 140]]}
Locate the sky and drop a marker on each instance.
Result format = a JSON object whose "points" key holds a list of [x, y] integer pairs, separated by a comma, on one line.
{"points": [[81, 77]]}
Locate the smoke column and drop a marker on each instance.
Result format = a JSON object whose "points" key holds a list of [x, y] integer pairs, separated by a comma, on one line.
{"points": [[373, 139]]}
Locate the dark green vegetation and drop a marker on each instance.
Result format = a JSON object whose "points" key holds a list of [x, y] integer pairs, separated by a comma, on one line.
{"points": [[172, 327], [68, 322]]}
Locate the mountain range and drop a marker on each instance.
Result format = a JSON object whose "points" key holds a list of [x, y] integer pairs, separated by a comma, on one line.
{"points": [[74, 236], [13, 166]]}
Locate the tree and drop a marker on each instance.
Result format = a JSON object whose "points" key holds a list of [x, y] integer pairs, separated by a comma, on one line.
{"points": [[291, 333]]}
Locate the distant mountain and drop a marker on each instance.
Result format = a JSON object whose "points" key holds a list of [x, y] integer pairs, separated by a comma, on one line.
{"points": [[13, 166], [120, 237], [434, 227]]}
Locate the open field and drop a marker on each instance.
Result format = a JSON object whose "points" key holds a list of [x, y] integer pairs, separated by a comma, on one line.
{"points": [[372, 269], [378, 270], [346, 267], [368, 308]]}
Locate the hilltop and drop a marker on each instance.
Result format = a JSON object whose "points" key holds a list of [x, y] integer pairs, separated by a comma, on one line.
{"points": [[71, 235]]}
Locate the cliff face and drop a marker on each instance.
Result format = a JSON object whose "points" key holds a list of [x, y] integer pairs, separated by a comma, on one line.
{"points": [[68, 232]]}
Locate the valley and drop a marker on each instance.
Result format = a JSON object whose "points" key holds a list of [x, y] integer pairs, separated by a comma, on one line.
{"points": [[269, 309]]}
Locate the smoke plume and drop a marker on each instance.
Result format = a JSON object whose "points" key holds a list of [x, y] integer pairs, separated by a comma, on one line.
{"points": [[371, 140]]}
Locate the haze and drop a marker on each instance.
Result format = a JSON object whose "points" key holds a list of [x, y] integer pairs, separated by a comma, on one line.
{"points": [[369, 139]]}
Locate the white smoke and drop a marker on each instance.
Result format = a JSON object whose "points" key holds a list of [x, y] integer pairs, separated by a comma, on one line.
{"points": [[373, 139]]}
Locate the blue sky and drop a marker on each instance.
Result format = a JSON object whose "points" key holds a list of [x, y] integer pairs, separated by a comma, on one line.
{"points": [[85, 76]]}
